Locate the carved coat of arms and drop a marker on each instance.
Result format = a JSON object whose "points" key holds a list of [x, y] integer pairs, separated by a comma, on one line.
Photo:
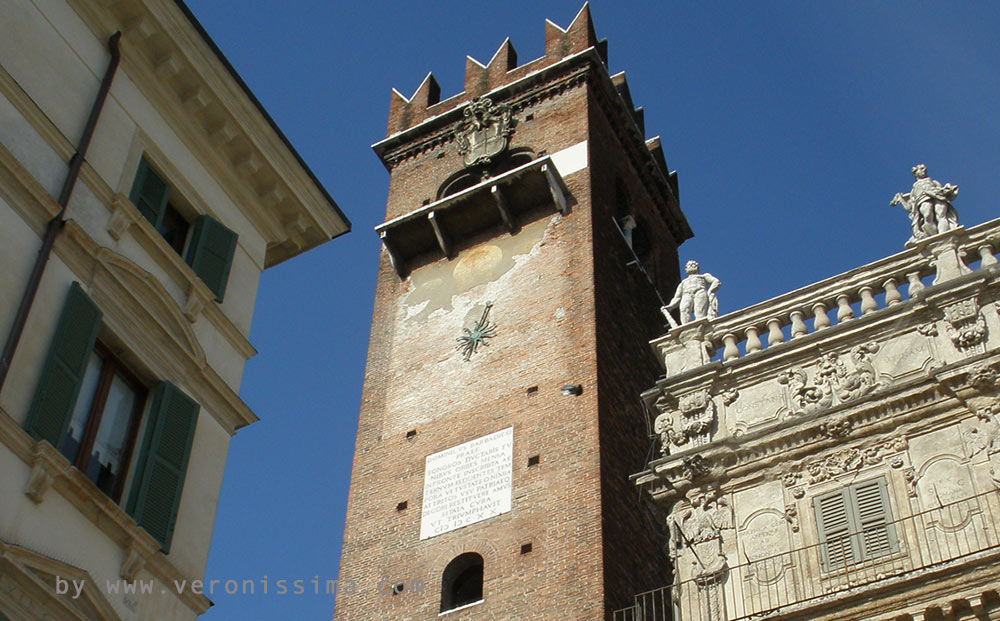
{"points": [[484, 132]]}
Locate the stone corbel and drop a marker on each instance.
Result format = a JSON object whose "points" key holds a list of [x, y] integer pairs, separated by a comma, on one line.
{"points": [[134, 561], [195, 302], [39, 482], [122, 216], [966, 325], [44, 468]]}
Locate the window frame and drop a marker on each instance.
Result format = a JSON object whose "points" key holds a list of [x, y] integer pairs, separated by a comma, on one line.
{"points": [[854, 539], [111, 365]]}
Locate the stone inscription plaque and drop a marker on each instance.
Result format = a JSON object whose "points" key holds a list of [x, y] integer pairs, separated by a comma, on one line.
{"points": [[467, 483]]}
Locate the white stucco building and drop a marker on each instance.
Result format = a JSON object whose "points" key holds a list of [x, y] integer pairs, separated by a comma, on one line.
{"points": [[120, 378]]}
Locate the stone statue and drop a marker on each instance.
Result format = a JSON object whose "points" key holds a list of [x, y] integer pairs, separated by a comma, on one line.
{"points": [[928, 205], [695, 295]]}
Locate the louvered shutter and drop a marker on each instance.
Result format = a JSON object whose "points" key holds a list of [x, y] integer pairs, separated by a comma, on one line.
{"points": [[834, 518], [159, 477], [210, 253], [149, 193], [59, 384], [871, 499]]}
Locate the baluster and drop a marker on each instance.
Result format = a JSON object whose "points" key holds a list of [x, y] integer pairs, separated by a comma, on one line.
{"points": [[915, 284], [892, 295], [844, 310], [753, 341], [822, 321], [986, 254], [774, 333], [798, 325], [730, 352], [868, 303]]}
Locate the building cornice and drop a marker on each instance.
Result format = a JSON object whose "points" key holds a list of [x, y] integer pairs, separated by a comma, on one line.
{"points": [[168, 55]]}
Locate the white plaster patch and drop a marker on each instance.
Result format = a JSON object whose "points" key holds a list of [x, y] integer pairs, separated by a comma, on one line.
{"points": [[560, 312], [571, 159], [467, 483]]}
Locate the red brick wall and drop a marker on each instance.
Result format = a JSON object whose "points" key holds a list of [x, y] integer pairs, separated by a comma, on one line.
{"points": [[567, 311]]}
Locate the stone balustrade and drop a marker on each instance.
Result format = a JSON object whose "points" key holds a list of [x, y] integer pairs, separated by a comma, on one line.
{"points": [[831, 302]]}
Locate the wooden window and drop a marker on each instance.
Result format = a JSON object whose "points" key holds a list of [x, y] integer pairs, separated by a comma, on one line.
{"points": [[159, 475], [854, 524], [211, 246], [88, 405], [104, 422]]}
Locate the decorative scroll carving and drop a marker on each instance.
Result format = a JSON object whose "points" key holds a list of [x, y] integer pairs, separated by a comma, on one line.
{"points": [[984, 378], [836, 429], [910, 476], [691, 421], [730, 396], [484, 132], [834, 384], [928, 329], [966, 326], [851, 460], [792, 516]]}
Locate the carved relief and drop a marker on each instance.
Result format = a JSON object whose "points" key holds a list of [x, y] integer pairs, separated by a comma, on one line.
{"points": [[730, 396], [851, 460], [928, 329], [697, 523], [484, 132], [834, 384], [910, 476], [837, 429], [984, 378], [983, 435], [691, 421], [966, 326]]}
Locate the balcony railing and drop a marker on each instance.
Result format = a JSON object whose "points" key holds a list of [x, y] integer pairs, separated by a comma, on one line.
{"points": [[949, 534]]}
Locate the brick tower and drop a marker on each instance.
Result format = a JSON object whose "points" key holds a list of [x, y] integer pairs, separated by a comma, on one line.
{"points": [[528, 229]]}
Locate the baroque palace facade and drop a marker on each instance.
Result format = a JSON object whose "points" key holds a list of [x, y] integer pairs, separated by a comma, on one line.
{"points": [[834, 453], [142, 192]]}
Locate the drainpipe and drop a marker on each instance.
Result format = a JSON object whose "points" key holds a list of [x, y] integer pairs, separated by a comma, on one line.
{"points": [[56, 224]]}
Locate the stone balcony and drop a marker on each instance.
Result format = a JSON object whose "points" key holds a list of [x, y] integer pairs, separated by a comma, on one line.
{"points": [[887, 372]]}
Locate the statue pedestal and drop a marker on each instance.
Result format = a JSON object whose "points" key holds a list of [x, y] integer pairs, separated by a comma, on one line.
{"points": [[943, 250], [685, 347]]}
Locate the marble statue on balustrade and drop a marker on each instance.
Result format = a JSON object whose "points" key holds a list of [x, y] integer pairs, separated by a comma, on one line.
{"points": [[695, 295], [928, 204]]}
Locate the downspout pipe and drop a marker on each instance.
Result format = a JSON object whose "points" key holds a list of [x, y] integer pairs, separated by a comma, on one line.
{"points": [[55, 225]]}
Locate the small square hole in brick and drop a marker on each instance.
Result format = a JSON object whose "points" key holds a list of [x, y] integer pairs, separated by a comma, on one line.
{"points": [[411, 434], [402, 506], [533, 460], [525, 548], [529, 117], [543, 153], [531, 391], [427, 201], [440, 155]]}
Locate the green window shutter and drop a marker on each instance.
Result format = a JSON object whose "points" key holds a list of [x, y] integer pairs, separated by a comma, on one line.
{"points": [[210, 253], [834, 519], [59, 384], [878, 537], [149, 193], [159, 475]]}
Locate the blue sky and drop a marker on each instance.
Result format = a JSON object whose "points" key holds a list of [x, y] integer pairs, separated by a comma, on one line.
{"points": [[791, 125]]}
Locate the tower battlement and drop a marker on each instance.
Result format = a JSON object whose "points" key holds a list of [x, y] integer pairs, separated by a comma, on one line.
{"points": [[502, 70]]}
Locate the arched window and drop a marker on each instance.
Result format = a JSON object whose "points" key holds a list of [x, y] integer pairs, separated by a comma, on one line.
{"points": [[462, 581]]}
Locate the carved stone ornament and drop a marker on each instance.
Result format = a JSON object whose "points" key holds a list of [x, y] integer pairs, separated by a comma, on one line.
{"points": [[984, 378], [836, 429], [484, 131], [697, 523], [792, 516], [691, 422], [985, 434], [851, 460], [928, 329], [910, 476], [833, 383], [730, 396], [966, 326]]}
